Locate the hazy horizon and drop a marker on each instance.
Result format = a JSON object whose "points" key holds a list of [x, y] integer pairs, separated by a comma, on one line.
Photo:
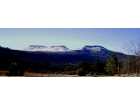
{"points": [[73, 38]]}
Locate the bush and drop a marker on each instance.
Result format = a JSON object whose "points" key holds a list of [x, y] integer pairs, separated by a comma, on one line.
{"points": [[81, 72]]}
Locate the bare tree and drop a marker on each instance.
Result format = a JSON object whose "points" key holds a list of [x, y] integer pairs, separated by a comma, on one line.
{"points": [[132, 63]]}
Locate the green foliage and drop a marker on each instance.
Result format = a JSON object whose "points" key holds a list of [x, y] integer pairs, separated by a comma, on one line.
{"points": [[111, 65]]}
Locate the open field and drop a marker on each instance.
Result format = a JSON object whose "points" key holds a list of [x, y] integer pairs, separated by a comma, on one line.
{"points": [[39, 74], [3, 73], [31, 74]]}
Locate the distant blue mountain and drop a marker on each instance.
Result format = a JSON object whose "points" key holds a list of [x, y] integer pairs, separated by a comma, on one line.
{"points": [[86, 54]]}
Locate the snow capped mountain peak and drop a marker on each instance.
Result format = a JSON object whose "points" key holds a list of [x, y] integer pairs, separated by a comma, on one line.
{"points": [[62, 48], [94, 48], [43, 48], [36, 47]]}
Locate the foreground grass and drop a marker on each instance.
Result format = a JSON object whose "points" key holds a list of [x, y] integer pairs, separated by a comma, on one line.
{"points": [[39, 74], [31, 74]]}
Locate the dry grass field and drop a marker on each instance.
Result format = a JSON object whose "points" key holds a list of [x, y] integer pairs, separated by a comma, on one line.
{"points": [[32, 74]]}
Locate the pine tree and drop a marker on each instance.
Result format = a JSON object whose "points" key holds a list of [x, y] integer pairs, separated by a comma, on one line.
{"points": [[111, 66]]}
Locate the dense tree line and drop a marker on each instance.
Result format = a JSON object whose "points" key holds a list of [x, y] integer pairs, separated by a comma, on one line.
{"points": [[17, 67]]}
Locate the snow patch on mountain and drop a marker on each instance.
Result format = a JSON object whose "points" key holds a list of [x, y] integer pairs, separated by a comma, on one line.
{"points": [[43, 48], [62, 48], [94, 48]]}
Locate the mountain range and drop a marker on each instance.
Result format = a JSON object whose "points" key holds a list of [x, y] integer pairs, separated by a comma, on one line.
{"points": [[58, 54]]}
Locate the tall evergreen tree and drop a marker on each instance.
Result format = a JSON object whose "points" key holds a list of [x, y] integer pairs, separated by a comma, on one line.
{"points": [[112, 65]]}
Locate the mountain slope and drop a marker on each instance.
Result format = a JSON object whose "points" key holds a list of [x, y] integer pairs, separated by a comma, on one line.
{"points": [[87, 54]]}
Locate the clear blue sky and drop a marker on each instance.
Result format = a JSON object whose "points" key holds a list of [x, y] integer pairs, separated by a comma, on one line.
{"points": [[113, 39]]}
